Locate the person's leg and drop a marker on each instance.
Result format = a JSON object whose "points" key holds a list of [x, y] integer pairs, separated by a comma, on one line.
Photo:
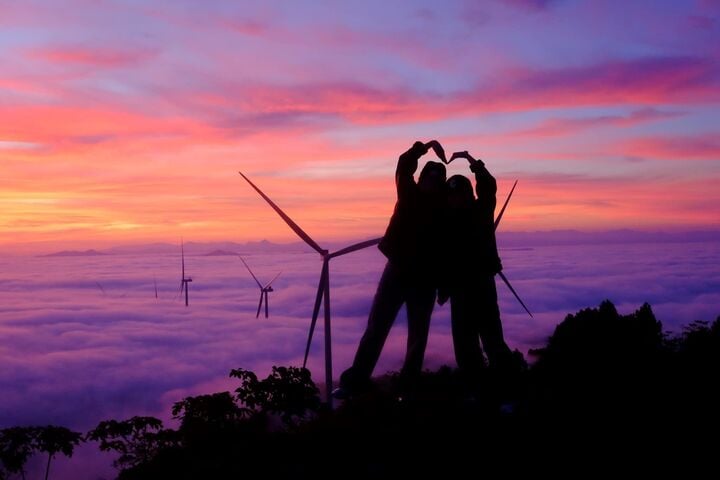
{"points": [[420, 300], [491, 332], [465, 331], [386, 305]]}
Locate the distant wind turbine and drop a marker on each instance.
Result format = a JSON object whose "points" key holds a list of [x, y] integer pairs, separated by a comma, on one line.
{"points": [[264, 289], [155, 282], [323, 292], [501, 274], [183, 280]]}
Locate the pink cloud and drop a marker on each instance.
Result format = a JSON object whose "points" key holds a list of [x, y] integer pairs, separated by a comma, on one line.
{"points": [[650, 81], [569, 126], [96, 57], [537, 5], [249, 27], [695, 147]]}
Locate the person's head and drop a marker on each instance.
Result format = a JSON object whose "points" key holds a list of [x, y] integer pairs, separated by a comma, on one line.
{"points": [[432, 177], [459, 191]]}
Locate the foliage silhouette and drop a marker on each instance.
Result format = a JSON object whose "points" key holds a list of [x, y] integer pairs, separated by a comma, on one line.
{"points": [[288, 392], [17, 444], [608, 391], [601, 362], [138, 439], [52, 440]]}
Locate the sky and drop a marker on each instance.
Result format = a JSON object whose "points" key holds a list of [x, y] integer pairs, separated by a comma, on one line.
{"points": [[127, 121]]}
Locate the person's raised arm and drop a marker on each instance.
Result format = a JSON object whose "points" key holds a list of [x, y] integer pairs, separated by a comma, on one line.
{"points": [[485, 188], [408, 164], [485, 184]]}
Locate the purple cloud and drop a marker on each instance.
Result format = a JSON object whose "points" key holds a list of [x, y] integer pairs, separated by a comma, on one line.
{"points": [[74, 356]]}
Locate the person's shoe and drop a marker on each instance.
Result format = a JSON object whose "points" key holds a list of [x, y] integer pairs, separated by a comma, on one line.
{"points": [[341, 393], [508, 407]]}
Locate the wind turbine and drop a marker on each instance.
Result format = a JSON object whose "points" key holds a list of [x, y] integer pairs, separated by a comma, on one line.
{"points": [[323, 292], [501, 274], [264, 289], [183, 280]]}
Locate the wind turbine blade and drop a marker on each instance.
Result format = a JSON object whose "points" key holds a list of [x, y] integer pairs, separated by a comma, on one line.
{"points": [[507, 282], [499, 217], [356, 247], [267, 305], [259, 305], [100, 287], [251, 273], [182, 252], [299, 231], [316, 310], [271, 281]]}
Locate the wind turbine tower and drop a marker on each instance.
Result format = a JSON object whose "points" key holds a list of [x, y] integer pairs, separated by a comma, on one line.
{"points": [[323, 291], [183, 279], [264, 289]]}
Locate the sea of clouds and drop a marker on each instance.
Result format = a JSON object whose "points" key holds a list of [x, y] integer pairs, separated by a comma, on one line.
{"points": [[84, 338]]}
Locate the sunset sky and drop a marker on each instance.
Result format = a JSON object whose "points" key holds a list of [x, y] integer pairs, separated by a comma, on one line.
{"points": [[127, 121]]}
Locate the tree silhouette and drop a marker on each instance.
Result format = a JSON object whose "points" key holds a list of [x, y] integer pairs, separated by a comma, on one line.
{"points": [[16, 446], [52, 439], [598, 363], [138, 439], [204, 416]]}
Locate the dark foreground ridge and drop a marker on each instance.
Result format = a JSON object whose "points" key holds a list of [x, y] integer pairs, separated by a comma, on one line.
{"points": [[609, 393]]}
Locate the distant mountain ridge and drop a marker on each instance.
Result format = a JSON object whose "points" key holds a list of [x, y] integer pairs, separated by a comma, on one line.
{"points": [[210, 249], [505, 240], [220, 253], [75, 253]]}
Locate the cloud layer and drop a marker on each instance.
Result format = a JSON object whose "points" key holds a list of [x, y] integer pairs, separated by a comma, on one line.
{"points": [[85, 339]]}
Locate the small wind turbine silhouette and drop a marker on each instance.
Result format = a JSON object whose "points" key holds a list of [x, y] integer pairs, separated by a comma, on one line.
{"points": [[183, 280], [501, 274], [264, 289], [323, 292]]}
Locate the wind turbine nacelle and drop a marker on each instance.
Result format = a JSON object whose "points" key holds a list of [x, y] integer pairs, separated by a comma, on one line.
{"points": [[269, 289]]}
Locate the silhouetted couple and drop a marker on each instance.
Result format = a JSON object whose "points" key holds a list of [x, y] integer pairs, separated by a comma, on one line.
{"points": [[440, 244]]}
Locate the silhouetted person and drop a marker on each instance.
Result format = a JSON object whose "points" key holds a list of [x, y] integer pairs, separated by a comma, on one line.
{"points": [[470, 263], [411, 245]]}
